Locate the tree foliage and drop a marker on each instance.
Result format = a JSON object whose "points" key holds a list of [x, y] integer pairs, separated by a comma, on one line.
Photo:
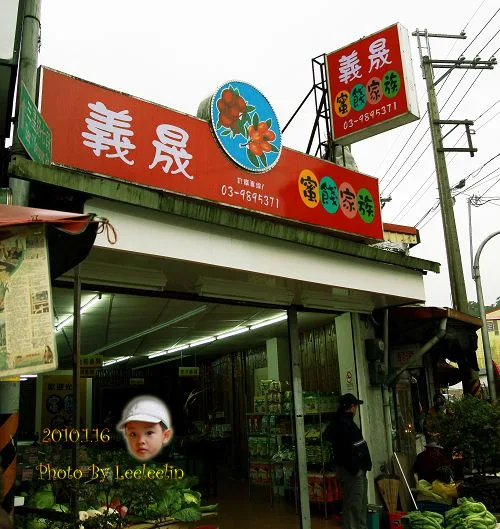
{"points": [[474, 307], [470, 426]]}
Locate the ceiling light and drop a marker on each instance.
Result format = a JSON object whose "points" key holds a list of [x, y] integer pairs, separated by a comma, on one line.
{"points": [[232, 333], [84, 308], [178, 348], [272, 321], [30, 376], [202, 341], [23, 379], [158, 353], [115, 360]]}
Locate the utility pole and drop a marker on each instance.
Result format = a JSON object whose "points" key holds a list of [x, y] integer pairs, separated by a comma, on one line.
{"points": [[470, 377], [10, 388], [455, 269], [28, 65]]}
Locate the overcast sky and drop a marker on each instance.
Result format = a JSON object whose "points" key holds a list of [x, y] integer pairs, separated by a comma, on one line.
{"points": [[178, 53]]}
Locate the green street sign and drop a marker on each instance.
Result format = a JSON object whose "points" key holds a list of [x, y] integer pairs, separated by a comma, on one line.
{"points": [[32, 130]]}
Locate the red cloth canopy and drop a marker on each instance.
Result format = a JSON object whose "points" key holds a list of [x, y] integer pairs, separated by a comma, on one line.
{"points": [[71, 222]]}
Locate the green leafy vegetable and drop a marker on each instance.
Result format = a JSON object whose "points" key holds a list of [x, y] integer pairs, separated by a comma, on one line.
{"points": [[189, 514]]}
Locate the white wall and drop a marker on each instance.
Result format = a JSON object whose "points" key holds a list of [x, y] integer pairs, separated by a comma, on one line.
{"points": [[151, 232], [372, 411]]}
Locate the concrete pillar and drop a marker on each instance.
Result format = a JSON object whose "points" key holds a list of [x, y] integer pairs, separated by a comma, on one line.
{"points": [[278, 360], [371, 413], [347, 360]]}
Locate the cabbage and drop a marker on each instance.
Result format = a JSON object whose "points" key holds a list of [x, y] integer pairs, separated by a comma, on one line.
{"points": [[36, 523], [189, 514], [191, 498], [43, 499], [61, 507]]}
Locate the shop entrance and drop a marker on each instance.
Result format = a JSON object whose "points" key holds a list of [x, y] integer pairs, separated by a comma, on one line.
{"points": [[224, 371]]}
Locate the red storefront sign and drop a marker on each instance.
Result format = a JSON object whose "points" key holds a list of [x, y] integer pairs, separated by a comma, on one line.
{"points": [[371, 85], [115, 135]]}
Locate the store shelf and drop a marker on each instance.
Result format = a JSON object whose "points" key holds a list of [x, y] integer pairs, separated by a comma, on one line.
{"points": [[270, 461], [290, 414], [269, 414], [270, 434]]}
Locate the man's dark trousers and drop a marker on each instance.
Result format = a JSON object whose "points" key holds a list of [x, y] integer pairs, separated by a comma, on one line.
{"points": [[355, 508]]}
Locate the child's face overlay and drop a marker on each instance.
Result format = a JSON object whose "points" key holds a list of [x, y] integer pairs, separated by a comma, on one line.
{"points": [[145, 439]]}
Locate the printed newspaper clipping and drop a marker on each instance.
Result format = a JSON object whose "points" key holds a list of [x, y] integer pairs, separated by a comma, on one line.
{"points": [[27, 340]]}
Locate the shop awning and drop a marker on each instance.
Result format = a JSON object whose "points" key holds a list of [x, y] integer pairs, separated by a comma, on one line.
{"points": [[417, 325], [70, 235], [71, 222]]}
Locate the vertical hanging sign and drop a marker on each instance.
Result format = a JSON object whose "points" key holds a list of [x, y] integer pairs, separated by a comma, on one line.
{"points": [[371, 86]]}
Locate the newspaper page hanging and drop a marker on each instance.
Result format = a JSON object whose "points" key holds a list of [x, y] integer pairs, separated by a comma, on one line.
{"points": [[27, 340]]}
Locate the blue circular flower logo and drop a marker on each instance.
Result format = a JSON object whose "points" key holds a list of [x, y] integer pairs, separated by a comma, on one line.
{"points": [[246, 126]]}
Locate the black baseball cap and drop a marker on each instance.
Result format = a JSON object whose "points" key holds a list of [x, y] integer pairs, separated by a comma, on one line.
{"points": [[348, 399]]}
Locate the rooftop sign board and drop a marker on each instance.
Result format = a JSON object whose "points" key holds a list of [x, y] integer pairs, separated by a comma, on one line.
{"points": [[371, 86], [114, 135]]}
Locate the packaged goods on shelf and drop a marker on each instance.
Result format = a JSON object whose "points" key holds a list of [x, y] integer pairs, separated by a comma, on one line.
{"points": [[323, 488], [312, 432], [264, 386], [283, 454], [318, 454], [260, 404], [260, 472]]}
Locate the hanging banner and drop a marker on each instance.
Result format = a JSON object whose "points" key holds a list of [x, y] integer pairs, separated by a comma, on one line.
{"points": [[27, 343], [118, 136], [371, 86]]}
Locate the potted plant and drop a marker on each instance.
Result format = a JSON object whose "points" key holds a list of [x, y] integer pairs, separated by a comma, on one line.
{"points": [[471, 427]]}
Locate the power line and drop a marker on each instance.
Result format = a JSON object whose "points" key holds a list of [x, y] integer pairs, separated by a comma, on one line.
{"points": [[482, 49], [474, 14], [483, 180], [413, 132], [489, 188], [481, 30], [416, 198]]}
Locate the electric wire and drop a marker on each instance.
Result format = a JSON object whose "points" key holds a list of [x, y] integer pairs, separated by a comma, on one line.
{"points": [[411, 135], [436, 207], [491, 187], [415, 197]]}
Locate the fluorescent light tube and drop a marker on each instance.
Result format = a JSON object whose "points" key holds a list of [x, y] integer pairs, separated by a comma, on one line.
{"points": [[115, 360], [232, 333], [159, 353], [202, 341], [83, 308], [178, 348], [268, 322]]}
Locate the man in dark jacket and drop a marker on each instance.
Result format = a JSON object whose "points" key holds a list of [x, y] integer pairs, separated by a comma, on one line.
{"points": [[352, 460]]}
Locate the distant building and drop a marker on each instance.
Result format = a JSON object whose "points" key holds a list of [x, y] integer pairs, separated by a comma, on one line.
{"points": [[493, 323]]}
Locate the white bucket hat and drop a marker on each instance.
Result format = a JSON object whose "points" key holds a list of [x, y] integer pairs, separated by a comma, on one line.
{"points": [[147, 409]]}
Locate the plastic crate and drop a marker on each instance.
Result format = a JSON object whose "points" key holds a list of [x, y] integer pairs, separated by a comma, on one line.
{"points": [[433, 506], [396, 519]]}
